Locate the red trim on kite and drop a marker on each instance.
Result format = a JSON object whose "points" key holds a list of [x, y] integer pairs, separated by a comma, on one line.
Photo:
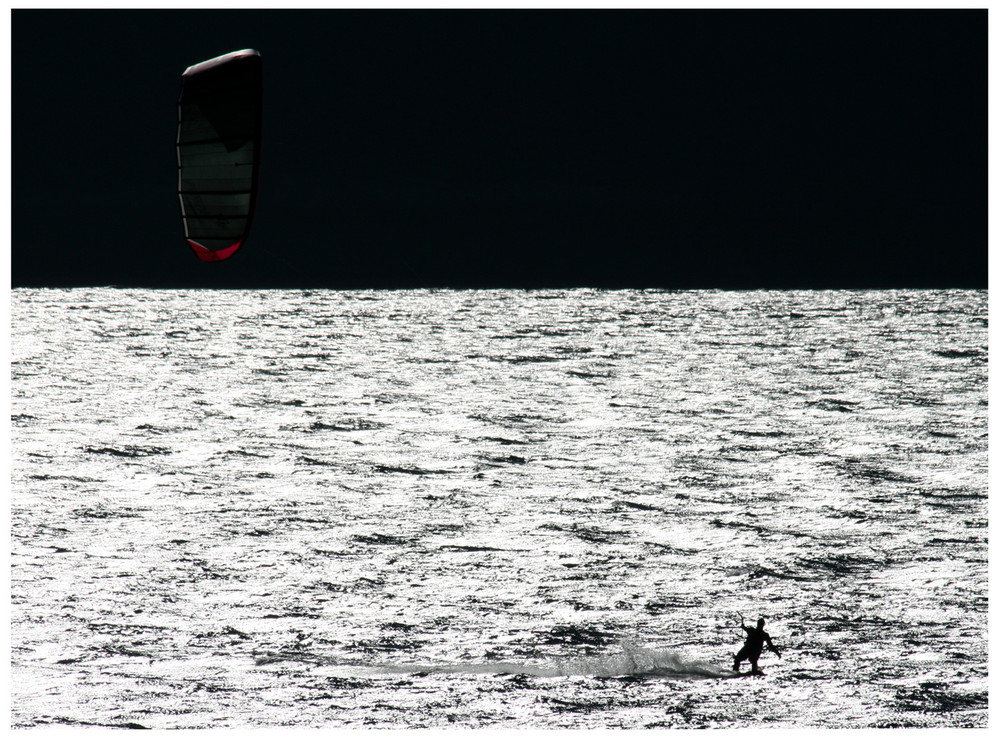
{"points": [[207, 255]]}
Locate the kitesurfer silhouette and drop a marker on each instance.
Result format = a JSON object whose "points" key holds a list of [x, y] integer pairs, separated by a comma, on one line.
{"points": [[754, 645]]}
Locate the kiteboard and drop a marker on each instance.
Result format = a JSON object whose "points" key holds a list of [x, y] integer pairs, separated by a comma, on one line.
{"points": [[759, 673]]}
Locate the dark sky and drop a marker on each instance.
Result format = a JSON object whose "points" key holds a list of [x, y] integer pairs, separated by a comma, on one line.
{"points": [[662, 148]]}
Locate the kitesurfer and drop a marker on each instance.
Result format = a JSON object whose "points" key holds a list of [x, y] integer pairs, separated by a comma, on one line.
{"points": [[754, 645]]}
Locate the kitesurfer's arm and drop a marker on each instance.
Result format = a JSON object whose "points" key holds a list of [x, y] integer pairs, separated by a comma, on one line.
{"points": [[771, 646]]}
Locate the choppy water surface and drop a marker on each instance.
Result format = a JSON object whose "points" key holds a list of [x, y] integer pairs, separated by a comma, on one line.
{"points": [[497, 509]]}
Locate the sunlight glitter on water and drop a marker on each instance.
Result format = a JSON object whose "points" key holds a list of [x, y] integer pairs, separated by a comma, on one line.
{"points": [[323, 490]]}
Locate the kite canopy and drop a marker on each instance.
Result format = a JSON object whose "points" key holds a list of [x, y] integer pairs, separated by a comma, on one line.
{"points": [[218, 152]]}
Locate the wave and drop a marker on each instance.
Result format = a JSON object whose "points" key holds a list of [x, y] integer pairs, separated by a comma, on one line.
{"points": [[130, 450]]}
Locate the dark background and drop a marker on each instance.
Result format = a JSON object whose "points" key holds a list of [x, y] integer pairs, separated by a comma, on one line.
{"points": [[676, 149]]}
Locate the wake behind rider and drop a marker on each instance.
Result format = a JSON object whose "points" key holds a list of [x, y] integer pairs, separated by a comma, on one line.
{"points": [[754, 645]]}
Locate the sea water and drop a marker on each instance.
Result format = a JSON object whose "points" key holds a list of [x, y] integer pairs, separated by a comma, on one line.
{"points": [[497, 509]]}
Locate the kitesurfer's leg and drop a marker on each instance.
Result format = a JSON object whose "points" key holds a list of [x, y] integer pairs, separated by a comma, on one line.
{"points": [[740, 656]]}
